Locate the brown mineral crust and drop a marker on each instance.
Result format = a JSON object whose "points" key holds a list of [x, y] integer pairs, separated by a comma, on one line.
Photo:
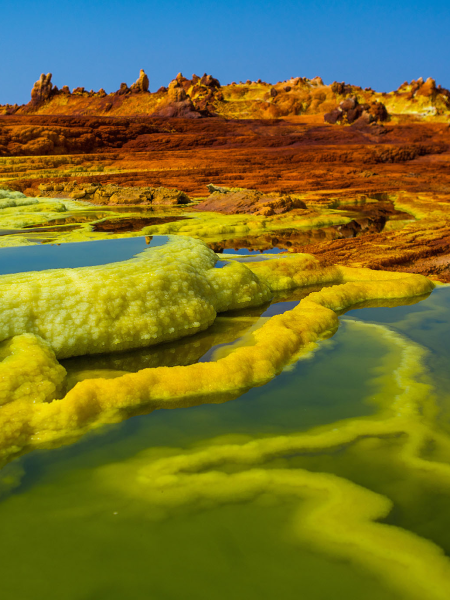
{"points": [[249, 202], [289, 155], [422, 247], [113, 194], [328, 166], [393, 251], [272, 157]]}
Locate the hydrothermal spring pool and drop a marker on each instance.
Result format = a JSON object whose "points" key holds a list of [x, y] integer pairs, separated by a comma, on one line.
{"points": [[249, 498]]}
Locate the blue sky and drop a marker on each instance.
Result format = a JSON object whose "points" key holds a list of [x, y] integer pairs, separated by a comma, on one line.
{"points": [[101, 43]]}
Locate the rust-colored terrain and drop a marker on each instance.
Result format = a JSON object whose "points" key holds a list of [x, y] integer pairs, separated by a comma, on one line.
{"points": [[300, 147]]}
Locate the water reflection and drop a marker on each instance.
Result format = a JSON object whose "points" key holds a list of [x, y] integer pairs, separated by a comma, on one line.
{"points": [[81, 254]]}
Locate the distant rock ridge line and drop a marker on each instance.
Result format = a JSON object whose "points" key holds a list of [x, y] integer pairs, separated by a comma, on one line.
{"points": [[192, 98], [338, 103], [43, 89]]}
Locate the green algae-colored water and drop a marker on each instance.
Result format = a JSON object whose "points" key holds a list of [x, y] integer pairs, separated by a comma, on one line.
{"points": [[84, 522]]}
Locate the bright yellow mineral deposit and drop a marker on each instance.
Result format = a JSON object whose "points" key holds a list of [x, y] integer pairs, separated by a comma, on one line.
{"points": [[163, 294]]}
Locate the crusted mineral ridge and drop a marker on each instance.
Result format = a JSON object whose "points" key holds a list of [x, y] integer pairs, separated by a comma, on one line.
{"points": [[165, 293]]}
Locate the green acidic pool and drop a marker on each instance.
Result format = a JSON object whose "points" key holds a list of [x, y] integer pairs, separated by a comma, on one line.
{"points": [[161, 506]]}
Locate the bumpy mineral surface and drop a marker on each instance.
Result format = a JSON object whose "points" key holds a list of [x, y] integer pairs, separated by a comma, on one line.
{"points": [[164, 294]]}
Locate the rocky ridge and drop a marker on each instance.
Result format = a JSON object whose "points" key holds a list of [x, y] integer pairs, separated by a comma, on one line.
{"points": [[205, 97]]}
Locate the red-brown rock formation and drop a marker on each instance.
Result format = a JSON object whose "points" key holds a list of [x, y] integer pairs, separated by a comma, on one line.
{"points": [[43, 89], [142, 84], [351, 111]]}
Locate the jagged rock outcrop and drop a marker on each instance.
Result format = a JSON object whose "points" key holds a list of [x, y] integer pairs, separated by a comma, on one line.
{"points": [[190, 98], [176, 91], [426, 89], [178, 104], [423, 98], [341, 88], [204, 96], [209, 81], [142, 84], [10, 109], [42, 89], [351, 111], [205, 91], [124, 89]]}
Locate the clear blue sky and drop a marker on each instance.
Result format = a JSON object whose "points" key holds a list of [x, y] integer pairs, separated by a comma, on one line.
{"points": [[100, 43]]}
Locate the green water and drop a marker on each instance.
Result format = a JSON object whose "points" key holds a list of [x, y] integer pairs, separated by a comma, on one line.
{"points": [[74, 525]]}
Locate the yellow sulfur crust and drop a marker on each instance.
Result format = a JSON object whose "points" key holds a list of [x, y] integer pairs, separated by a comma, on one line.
{"points": [[163, 294], [186, 292], [29, 371]]}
